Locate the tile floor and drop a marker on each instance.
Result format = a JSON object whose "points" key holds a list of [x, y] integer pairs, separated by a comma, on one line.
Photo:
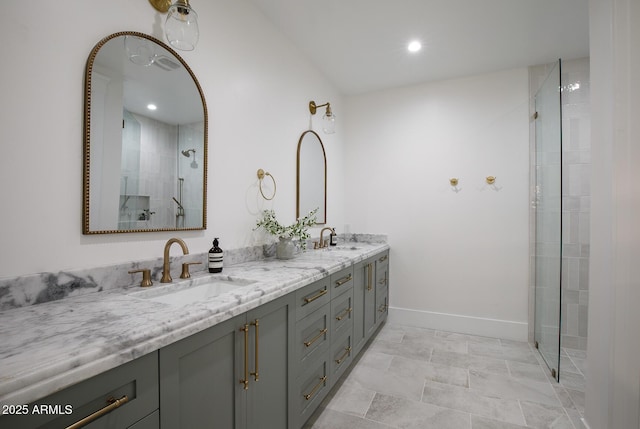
{"points": [[420, 378]]}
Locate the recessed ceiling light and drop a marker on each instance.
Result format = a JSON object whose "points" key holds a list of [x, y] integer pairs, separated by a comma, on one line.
{"points": [[414, 46], [152, 106]]}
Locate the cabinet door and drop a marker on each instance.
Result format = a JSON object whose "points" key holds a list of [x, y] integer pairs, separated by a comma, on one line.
{"points": [[199, 379], [363, 299], [136, 380], [271, 365]]}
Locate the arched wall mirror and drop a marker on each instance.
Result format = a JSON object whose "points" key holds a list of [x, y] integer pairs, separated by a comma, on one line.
{"points": [[311, 177], [145, 139]]}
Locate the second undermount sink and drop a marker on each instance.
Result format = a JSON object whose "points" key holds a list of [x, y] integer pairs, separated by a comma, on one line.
{"points": [[192, 291]]}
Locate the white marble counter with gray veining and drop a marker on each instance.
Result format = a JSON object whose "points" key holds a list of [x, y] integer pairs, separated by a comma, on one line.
{"points": [[53, 345]]}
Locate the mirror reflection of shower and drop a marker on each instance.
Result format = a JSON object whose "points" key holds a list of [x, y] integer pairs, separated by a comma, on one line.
{"points": [[180, 210], [187, 153]]}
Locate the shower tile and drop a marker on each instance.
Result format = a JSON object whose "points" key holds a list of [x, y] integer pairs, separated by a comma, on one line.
{"points": [[461, 399], [583, 320]]}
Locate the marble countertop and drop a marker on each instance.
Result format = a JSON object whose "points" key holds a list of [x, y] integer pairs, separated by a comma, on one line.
{"points": [[50, 346]]}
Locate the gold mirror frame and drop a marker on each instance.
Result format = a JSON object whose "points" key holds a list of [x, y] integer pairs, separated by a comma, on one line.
{"points": [[86, 229], [299, 172]]}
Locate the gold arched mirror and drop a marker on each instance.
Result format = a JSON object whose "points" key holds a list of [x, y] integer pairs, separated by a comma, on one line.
{"points": [[145, 139], [311, 177]]}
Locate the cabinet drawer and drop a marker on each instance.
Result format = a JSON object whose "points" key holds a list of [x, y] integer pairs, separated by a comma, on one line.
{"points": [[312, 297], [312, 335], [341, 351], [342, 313], [341, 282], [137, 381], [312, 387]]}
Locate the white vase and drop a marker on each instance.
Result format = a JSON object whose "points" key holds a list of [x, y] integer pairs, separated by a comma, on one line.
{"points": [[285, 249]]}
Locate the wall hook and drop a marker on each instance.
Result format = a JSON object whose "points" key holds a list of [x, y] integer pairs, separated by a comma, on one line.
{"points": [[491, 180], [453, 181], [261, 173]]}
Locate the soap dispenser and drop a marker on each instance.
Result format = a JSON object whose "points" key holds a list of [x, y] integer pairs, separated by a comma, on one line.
{"points": [[333, 237], [215, 258]]}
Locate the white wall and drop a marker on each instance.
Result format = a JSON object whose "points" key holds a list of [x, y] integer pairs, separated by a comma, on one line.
{"points": [[459, 259], [613, 380], [257, 88]]}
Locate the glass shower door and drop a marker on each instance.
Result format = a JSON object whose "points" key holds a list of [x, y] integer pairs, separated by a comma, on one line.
{"points": [[548, 213]]}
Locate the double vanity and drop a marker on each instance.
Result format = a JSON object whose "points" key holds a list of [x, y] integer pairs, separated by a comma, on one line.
{"points": [[257, 346]]}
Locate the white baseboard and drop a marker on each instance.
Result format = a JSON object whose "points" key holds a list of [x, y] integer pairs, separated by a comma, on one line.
{"points": [[504, 329]]}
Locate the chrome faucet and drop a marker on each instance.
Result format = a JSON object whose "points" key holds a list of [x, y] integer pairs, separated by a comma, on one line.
{"points": [[322, 243], [166, 270]]}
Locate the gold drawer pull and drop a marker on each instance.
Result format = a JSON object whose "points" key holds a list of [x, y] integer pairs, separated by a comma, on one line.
{"points": [[112, 405], [383, 281], [344, 280], [347, 352], [384, 258], [313, 298], [315, 388], [256, 376], [383, 308], [369, 276], [345, 313], [316, 338], [245, 381]]}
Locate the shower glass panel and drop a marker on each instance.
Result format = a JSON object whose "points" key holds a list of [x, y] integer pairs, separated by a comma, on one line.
{"points": [[548, 208]]}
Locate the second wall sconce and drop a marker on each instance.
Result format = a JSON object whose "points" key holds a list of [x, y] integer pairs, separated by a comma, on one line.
{"points": [[181, 26], [328, 119]]}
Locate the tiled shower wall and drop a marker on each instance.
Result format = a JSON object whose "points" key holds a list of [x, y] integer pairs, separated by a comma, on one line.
{"points": [[576, 190]]}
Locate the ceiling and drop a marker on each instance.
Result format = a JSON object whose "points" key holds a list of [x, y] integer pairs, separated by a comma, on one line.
{"points": [[360, 45]]}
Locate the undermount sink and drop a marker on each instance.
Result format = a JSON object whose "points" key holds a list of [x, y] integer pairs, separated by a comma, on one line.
{"points": [[192, 291]]}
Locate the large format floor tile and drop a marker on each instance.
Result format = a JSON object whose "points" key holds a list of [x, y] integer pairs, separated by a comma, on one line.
{"points": [[420, 378]]}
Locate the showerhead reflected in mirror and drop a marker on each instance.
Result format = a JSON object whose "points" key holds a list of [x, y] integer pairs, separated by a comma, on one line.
{"points": [[145, 121], [187, 153]]}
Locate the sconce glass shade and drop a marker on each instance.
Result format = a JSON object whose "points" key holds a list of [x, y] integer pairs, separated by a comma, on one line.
{"points": [[140, 51], [181, 26], [329, 122]]}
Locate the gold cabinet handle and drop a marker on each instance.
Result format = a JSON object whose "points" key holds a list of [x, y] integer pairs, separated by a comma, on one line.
{"points": [[112, 404], [313, 298], [315, 388], [245, 381], [383, 281], [347, 352], [382, 259], [344, 314], [383, 308], [344, 280], [369, 276], [257, 325], [316, 338]]}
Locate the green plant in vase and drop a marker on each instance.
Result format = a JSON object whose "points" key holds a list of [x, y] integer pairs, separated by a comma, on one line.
{"points": [[298, 230]]}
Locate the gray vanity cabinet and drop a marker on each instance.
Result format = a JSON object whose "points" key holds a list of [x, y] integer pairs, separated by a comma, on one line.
{"points": [[234, 375], [134, 385]]}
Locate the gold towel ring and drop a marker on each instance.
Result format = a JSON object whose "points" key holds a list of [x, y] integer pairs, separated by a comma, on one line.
{"points": [[261, 174]]}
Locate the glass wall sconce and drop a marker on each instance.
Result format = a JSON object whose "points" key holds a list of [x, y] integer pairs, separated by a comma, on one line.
{"points": [[328, 119], [181, 25]]}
